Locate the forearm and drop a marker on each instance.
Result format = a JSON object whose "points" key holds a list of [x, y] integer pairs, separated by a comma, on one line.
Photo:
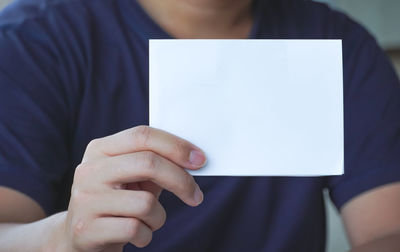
{"points": [[389, 243], [37, 236]]}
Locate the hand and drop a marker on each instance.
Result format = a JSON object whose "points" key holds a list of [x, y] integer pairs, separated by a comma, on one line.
{"points": [[114, 196]]}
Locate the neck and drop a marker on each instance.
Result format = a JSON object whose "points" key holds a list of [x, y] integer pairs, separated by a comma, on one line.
{"points": [[201, 18]]}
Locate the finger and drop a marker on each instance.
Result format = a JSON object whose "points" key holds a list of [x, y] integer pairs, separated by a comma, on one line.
{"points": [[147, 166], [145, 186], [144, 138], [137, 204], [151, 187], [110, 230]]}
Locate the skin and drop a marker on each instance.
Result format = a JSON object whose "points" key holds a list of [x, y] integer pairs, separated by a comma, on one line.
{"points": [[144, 161], [372, 219], [116, 190], [202, 18]]}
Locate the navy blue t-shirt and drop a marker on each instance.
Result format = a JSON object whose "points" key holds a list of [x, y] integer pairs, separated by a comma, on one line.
{"points": [[75, 70]]}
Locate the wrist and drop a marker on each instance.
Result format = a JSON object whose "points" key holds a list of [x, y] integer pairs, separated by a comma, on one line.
{"points": [[56, 230]]}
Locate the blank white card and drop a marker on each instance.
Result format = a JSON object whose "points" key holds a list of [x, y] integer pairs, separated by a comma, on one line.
{"points": [[256, 107]]}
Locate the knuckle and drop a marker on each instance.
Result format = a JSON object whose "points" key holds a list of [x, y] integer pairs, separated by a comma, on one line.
{"points": [[79, 169], [80, 173], [78, 196], [83, 171], [186, 184], [163, 219], [143, 241], [93, 144], [180, 148], [147, 204], [132, 228], [150, 161], [141, 135]]}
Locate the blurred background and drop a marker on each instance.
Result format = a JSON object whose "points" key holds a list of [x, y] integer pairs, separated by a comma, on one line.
{"points": [[3, 3], [382, 19]]}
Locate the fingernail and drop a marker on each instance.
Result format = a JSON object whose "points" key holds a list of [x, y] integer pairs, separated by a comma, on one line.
{"points": [[197, 158], [198, 195]]}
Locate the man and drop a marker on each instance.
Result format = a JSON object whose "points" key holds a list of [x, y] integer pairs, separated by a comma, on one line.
{"points": [[73, 71]]}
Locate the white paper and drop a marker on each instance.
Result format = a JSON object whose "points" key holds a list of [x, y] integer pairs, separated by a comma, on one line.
{"points": [[256, 107]]}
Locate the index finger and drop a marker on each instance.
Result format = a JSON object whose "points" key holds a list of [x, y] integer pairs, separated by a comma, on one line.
{"points": [[145, 138]]}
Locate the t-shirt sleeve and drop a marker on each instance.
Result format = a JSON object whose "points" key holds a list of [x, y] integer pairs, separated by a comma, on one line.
{"points": [[34, 113], [371, 118]]}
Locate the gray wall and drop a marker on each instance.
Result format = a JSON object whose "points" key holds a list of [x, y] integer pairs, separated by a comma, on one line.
{"points": [[381, 17], [3, 3]]}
